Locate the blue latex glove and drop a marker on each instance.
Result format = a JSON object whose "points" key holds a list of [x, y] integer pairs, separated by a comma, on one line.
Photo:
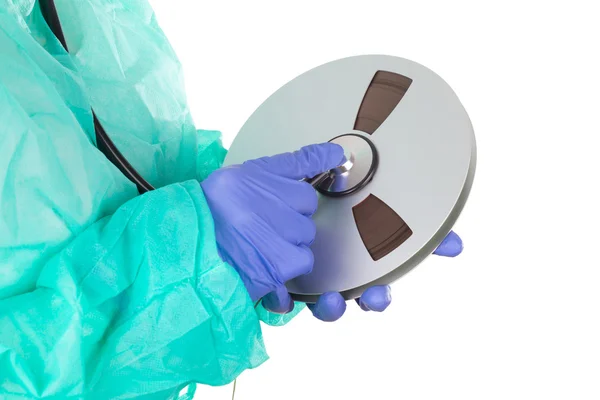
{"points": [[262, 213], [331, 306]]}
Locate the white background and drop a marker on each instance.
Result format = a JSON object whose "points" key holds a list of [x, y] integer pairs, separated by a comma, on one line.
{"points": [[516, 316]]}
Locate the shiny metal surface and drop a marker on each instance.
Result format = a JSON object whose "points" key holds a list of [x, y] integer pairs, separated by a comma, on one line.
{"points": [[345, 167], [357, 171], [427, 155]]}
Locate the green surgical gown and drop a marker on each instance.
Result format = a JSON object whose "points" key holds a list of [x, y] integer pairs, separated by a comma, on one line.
{"points": [[106, 294]]}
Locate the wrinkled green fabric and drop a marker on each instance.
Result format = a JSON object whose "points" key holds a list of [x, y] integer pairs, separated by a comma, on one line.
{"points": [[105, 294]]}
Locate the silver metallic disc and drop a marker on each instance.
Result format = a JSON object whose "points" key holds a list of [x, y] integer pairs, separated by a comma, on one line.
{"points": [[426, 164], [358, 170]]}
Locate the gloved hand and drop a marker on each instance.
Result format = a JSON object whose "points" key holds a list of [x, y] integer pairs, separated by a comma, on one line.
{"points": [[262, 220], [331, 306], [262, 213]]}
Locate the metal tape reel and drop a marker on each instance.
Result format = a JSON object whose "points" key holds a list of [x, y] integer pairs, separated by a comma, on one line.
{"points": [[411, 161]]}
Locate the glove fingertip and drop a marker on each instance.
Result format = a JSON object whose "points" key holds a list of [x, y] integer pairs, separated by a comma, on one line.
{"points": [[451, 246], [279, 301], [329, 307], [323, 157], [376, 298]]}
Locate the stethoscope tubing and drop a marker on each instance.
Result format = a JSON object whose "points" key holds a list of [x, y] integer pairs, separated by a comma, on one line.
{"points": [[103, 141]]}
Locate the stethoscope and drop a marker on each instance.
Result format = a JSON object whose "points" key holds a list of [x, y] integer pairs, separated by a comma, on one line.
{"points": [[103, 141]]}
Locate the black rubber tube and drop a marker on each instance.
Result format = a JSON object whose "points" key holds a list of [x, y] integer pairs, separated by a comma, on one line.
{"points": [[103, 141]]}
